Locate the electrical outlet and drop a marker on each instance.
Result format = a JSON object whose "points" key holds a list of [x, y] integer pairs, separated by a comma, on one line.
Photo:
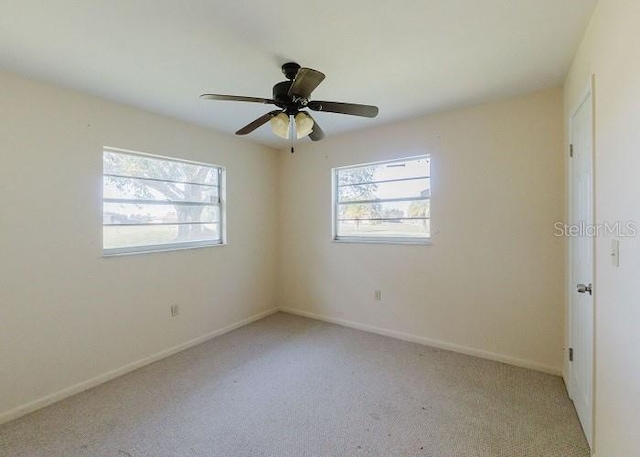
{"points": [[377, 295], [175, 310]]}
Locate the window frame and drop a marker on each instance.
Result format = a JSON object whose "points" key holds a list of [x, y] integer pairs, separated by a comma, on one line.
{"points": [[424, 241], [165, 247]]}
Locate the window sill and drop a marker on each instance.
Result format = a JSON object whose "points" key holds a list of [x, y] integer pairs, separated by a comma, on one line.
{"points": [[147, 250], [412, 241]]}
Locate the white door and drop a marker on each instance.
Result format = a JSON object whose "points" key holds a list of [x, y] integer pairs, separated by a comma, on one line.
{"points": [[582, 248]]}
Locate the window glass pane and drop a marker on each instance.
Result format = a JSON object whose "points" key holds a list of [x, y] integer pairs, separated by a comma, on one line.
{"points": [[142, 189], [384, 200], [412, 168], [404, 169], [399, 228], [151, 167], [137, 236], [379, 191], [384, 210], [159, 203], [356, 175], [135, 213]]}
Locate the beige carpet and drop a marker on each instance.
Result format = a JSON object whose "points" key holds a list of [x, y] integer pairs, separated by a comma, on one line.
{"points": [[290, 386]]}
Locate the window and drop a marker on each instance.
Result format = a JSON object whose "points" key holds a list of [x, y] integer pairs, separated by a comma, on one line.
{"points": [[155, 203], [383, 201]]}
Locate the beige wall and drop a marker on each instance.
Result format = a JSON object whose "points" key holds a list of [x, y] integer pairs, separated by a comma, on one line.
{"points": [[610, 51], [67, 314], [492, 282]]}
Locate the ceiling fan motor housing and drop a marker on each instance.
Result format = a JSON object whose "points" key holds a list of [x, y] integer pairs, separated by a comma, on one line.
{"points": [[284, 100], [281, 92]]}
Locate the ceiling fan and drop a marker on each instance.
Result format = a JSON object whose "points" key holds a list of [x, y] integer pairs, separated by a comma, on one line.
{"points": [[291, 97]]}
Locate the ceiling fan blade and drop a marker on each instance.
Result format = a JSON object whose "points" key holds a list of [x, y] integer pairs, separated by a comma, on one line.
{"points": [[257, 123], [305, 82], [317, 133], [236, 98], [344, 108]]}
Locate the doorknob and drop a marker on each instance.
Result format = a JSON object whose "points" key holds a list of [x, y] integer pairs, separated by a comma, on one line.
{"points": [[582, 289]]}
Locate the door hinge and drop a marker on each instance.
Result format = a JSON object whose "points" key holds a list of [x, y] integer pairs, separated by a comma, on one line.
{"points": [[570, 150], [570, 354]]}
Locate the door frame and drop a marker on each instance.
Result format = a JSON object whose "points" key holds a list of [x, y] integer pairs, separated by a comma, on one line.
{"points": [[588, 92]]}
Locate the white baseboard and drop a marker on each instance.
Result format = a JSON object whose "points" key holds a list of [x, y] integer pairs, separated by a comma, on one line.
{"points": [[429, 342], [93, 382]]}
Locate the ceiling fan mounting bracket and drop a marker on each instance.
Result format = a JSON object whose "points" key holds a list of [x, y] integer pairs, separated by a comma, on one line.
{"points": [[290, 70]]}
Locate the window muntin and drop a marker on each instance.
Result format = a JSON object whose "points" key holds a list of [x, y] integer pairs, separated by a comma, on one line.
{"points": [[383, 201], [155, 203]]}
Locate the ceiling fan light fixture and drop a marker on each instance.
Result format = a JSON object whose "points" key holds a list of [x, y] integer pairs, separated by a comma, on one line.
{"points": [[304, 124], [280, 125]]}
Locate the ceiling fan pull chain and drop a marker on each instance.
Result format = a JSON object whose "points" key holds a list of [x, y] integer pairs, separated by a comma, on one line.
{"points": [[292, 131]]}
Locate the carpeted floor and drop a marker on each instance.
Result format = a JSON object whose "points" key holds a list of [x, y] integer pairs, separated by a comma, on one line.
{"points": [[291, 386]]}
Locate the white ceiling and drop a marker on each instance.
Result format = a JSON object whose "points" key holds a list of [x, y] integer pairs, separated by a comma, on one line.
{"points": [[409, 57]]}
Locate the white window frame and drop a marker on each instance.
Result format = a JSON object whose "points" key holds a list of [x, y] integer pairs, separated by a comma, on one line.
{"points": [[222, 173], [372, 239]]}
